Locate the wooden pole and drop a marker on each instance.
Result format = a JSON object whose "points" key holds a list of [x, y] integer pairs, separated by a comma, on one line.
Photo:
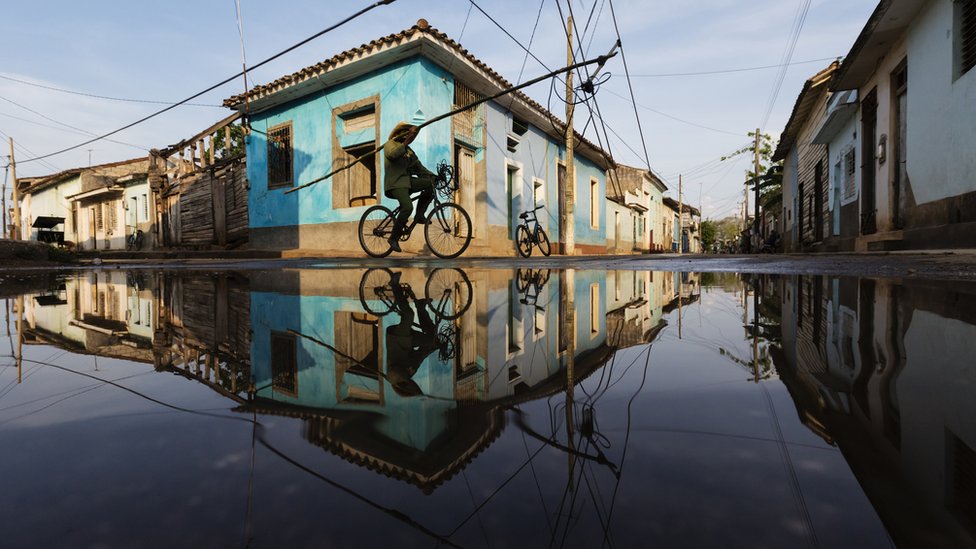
{"points": [[3, 205], [755, 225], [681, 218], [16, 193], [570, 222]]}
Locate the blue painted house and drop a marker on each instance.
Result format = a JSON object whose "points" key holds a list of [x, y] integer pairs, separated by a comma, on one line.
{"points": [[508, 154]]}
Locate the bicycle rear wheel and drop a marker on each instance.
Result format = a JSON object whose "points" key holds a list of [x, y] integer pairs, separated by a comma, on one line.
{"points": [[375, 228], [449, 292], [543, 243], [523, 241], [448, 230]]}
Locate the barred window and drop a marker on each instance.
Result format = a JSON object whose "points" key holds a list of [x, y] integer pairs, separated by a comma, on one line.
{"points": [[284, 363], [966, 31], [280, 156]]}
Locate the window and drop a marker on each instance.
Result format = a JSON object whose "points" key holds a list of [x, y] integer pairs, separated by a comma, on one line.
{"points": [[144, 210], [112, 215], [965, 32], [516, 335], [850, 188], [284, 363], [594, 203], [99, 220], [280, 156], [513, 184], [355, 137], [594, 309]]}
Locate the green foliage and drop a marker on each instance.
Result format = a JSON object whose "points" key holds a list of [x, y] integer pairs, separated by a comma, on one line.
{"points": [[236, 141], [708, 232], [770, 177]]}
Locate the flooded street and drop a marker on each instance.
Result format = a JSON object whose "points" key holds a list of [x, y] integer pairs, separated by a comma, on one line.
{"points": [[486, 408]]}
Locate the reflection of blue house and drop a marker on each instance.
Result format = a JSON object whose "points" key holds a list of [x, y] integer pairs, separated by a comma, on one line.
{"points": [[317, 353], [507, 153]]}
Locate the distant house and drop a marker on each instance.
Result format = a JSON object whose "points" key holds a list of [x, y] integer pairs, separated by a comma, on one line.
{"points": [[633, 210], [508, 153], [686, 228], [93, 208], [893, 141]]}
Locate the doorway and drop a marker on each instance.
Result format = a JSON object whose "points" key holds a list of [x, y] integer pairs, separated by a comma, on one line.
{"points": [[869, 141]]}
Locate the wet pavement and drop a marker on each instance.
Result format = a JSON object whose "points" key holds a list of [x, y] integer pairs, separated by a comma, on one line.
{"points": [[487, 406]]}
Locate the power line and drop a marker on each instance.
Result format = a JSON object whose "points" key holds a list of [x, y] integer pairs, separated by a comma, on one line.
{"points": [[106, 97], [675, 118], [633, 99], [77, 129], [794, 37], [28, 152], [727, 71], [225, 81]]}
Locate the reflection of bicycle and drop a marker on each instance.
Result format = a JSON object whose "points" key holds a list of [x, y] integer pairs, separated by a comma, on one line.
{"points": [[447, 294], [134, 240], [530, 233], [448, 228], [530, 283]]}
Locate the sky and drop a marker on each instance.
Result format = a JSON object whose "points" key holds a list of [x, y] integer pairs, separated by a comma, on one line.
{"points": [[166, 52]]}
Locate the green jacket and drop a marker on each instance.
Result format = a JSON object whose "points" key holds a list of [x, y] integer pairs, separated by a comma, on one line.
{"points": [[399, 163]]}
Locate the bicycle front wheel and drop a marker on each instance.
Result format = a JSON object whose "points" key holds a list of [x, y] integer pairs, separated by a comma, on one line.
{"points": [[375, 228], [523, 241], [375, 291], [448, 230], [449, 292], [543, 242]]}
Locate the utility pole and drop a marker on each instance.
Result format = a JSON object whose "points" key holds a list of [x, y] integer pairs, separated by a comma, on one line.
{"points": [[16, 194], [3, 205], [681, 219], [756, 182], [570, 188]]}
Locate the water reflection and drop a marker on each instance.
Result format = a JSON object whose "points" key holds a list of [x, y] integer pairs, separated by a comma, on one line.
{"points": [[482, 407]]}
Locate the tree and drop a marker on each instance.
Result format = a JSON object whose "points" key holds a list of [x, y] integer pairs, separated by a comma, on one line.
{"points": [[770, 176], [708, 232]]}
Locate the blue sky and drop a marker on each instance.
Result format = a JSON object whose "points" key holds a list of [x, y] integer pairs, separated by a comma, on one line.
{"points": [[167, 51]]}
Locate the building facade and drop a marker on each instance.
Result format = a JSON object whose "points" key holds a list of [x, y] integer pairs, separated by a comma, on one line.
{"points": [[507, 153]]}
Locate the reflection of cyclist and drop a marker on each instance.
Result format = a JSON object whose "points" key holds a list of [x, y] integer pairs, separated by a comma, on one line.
{"points": [[408, 347], [404, 174]]}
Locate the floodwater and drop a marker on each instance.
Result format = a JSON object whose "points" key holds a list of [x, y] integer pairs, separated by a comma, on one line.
{"points": [[485, 408]]}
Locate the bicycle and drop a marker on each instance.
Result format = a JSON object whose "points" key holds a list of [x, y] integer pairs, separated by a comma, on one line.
{"points": [[447, 231], [448, 295], [134, 240], [530, 233]]}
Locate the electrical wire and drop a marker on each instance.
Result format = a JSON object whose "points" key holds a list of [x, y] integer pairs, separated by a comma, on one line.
{"points": [[106, 97], [630, 85], [672, 117], [222, 82], [727, 71], [69, 126], [791, 42]]}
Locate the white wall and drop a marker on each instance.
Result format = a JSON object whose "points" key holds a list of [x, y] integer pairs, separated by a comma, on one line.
{"points": [[941, 111]]}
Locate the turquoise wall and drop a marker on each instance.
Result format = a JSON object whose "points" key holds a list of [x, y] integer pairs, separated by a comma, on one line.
{"points": [[413, 90], [538, 154]]}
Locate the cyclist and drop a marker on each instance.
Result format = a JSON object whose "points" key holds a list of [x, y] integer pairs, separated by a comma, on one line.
{"points": [[407, 347], [404, 175]]}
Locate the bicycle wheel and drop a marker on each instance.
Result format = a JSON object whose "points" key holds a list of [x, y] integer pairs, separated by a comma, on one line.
{"points": [[375, 228], [448, 230], [449, 292], [523, 241], [522, 279], [373, 287], [543, 242]]}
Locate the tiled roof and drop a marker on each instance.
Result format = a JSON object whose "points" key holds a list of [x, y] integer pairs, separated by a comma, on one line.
{"points": [[421, 29]]}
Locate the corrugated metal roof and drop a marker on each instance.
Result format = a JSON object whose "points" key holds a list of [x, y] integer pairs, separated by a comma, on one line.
{"points": [[804, 105]]}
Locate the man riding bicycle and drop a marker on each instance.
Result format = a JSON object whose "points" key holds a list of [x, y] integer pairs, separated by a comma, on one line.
{"points": [[404, 175]]}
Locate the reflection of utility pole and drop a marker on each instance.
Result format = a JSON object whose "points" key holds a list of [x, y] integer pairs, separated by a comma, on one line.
{"points": [[571, 367], [20, 336], [755, 332], [680, 288]]}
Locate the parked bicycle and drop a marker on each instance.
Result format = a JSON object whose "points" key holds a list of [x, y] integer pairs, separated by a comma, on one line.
{"points": [[448, 228], [447, 295], [530, 233], [134, 240]]}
